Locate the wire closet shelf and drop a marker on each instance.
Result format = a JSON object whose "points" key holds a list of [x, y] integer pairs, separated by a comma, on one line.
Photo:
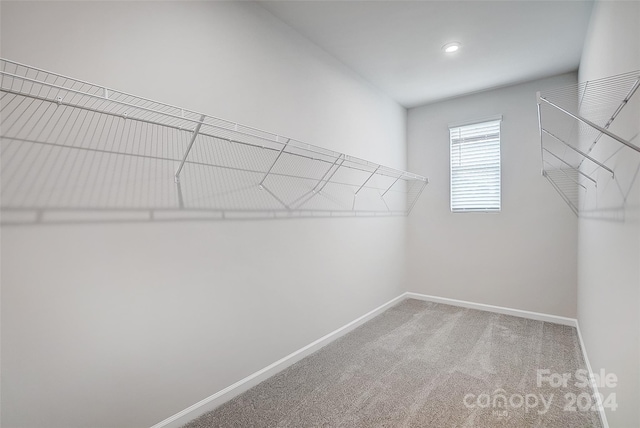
{"points": [[69, 146], [581, 148]]}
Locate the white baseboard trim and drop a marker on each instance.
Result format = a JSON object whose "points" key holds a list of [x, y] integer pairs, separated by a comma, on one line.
{"points": [[594, 384], [497, 309], [252, 380]]}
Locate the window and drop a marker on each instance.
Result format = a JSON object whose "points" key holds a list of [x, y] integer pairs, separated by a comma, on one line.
{"points": [[475, 167]]}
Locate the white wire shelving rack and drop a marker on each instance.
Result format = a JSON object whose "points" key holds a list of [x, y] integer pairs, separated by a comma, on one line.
{"points": [[70, 147], [581, 154]]}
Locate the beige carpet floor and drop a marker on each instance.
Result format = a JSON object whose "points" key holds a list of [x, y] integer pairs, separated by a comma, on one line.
{"points": [[422, 364]]}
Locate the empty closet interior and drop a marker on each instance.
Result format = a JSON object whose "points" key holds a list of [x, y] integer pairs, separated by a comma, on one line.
{"points": [[319, 214]]}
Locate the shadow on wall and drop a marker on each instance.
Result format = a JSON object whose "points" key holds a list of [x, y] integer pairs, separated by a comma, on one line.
{"points": [[617, 198], [74, 152], [590, 146]]}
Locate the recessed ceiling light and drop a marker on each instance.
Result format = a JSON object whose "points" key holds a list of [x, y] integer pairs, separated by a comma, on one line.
{"points": [[451, 47]]}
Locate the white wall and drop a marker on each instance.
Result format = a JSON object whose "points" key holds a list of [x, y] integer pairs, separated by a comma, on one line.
{"points": [[609, 251], [523, 257], [123, 325]]}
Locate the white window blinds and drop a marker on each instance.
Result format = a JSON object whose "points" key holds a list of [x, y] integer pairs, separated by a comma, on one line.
{"points": [[475, 167]]}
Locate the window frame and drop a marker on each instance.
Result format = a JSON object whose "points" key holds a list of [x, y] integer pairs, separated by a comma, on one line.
{"points": [[482, 207]]}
